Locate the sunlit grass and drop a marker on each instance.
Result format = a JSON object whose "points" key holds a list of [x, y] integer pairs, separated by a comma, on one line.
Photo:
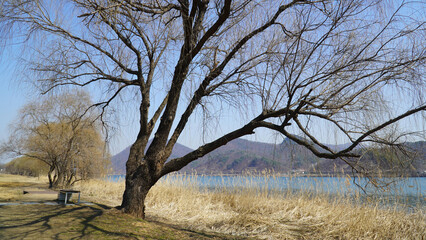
{"points": [[11, 186], [252, 210]]}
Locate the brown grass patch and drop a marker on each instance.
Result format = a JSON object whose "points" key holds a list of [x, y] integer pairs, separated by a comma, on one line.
{"points": [[12, 186]]}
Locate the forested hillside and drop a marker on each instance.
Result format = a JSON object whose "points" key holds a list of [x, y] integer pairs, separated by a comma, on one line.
{"points": [[242, 155]]}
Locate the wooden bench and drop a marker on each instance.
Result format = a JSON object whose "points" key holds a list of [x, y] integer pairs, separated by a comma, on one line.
{"points": [[64, 193]]}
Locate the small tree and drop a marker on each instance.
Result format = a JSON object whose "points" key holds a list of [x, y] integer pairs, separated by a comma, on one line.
{"points": [[61, 133], [290, 65]]}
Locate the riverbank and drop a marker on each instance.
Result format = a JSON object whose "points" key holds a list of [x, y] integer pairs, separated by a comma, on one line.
{"points": [[255, 212]]}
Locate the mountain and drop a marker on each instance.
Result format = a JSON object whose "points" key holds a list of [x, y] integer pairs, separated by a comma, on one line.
{"points": [[410, 162], [238, 156], [241, 155], [118, 161]]}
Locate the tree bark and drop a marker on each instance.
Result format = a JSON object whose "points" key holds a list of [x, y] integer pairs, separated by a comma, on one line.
{"points": [[138, 184], [134, 196], [49, 175], [139, 180]]}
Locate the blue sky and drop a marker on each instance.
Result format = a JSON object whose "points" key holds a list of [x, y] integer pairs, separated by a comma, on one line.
{"points": [[12, 97]]}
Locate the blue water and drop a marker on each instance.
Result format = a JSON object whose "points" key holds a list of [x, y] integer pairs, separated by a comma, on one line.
{"points": [[407, 192]]}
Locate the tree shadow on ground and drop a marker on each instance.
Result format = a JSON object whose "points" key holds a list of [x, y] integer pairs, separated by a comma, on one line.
{"points": [[95, 221], [52, 221]]}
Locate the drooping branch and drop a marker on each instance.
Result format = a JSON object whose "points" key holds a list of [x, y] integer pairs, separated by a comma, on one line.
{"points": [[382, 126]]}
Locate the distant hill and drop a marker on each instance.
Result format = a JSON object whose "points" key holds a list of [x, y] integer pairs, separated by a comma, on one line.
{"points": [[241, 155], [118, 161], [413, 164]]}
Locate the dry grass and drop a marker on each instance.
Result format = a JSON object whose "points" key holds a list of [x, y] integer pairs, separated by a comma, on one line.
{"points": [[11, 186], [101, 191], [253, 212]]}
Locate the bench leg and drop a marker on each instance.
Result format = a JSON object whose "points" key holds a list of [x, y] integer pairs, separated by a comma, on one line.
{"points": [[66, 198], [78, 198]]}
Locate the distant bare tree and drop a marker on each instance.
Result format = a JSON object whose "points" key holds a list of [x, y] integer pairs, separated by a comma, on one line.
{"points": [[296, 62], [61, 134]]}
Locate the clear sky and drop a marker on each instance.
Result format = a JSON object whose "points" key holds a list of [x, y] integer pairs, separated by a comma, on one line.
{"points": [[12, 98]]}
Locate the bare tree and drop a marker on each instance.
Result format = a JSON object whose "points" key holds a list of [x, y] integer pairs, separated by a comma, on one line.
{"points": [[297, 63], [60, 133]]}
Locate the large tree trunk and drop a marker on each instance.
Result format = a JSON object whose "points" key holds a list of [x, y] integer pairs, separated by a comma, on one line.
{"points": [[140, 178], [137, 188]]}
